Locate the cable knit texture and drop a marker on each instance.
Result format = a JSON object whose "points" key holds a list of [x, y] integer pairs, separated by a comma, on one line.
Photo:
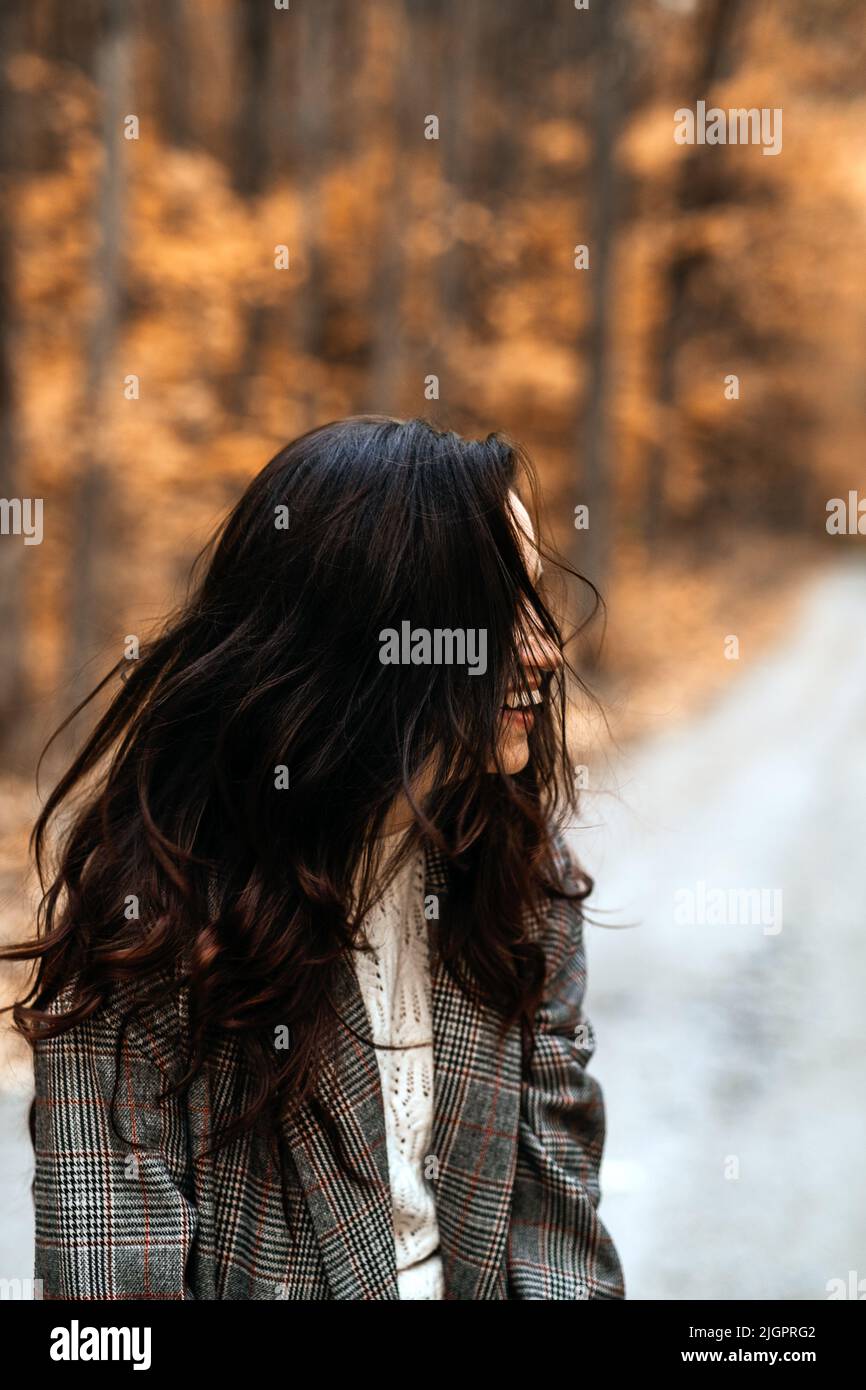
{"points": [[394, 978]]}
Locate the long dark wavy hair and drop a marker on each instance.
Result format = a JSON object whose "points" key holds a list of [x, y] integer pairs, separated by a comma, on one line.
{"points": [[250, 891]]}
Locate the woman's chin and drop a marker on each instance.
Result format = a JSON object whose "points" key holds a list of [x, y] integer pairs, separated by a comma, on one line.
{"points": [[513, 752]]}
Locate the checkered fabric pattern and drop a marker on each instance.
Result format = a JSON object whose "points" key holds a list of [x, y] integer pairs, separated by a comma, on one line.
{"points": [[514, 1157]]}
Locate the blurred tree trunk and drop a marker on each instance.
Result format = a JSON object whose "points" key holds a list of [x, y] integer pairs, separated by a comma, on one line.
{"points": [[404, 136], [251, 170], [313, 125], [12, 549], [697, 187], [252, 147], [462, 31], [173, 95], [92, 504], [592, 546]]}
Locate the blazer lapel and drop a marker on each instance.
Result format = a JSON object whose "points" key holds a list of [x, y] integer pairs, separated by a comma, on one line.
{"points": [[353, 1222], [476, 1112]]}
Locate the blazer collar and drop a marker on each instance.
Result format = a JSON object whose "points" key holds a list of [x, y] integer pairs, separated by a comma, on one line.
{"points": [[476, 1098]]}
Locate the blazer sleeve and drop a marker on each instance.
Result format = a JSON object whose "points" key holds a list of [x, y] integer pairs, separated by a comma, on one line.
{"points": [[558, 1247], [115, 1215]]}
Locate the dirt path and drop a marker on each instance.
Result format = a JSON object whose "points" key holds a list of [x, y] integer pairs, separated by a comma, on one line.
{"points": [[733, 1056]]}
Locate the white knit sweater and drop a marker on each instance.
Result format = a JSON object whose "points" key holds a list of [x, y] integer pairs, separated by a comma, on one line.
{"points": [[394, 979]]}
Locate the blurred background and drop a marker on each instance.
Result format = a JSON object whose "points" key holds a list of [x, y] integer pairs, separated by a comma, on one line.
{"points": [[226, 221]]}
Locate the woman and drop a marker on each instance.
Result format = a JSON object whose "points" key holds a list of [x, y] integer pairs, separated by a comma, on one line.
{"points": [[307, 1014]]}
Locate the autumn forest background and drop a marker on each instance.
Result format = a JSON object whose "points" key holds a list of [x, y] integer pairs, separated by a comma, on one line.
{"points": [[225, 221]]}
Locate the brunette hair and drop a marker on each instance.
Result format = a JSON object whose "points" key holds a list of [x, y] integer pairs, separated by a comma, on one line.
{"points": [[247, 887]]}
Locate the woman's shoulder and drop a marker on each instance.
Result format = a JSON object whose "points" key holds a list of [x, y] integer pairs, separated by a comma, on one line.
{"points": [[568, 877], [566, 887], [148, 1011]]}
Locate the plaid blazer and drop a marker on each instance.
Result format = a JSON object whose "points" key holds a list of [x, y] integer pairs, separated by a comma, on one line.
{"points": [[142, 1215]]}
